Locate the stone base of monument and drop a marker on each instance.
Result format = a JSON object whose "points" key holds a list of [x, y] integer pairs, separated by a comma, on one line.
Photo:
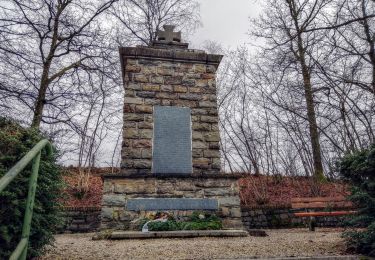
{"points": [[129, 199], [177, 234]]}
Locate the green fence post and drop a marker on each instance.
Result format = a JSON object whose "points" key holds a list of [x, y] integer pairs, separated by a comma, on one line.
{"points": [[30, 203]]}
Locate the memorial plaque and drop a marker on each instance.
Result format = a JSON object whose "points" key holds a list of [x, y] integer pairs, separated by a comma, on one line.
{"points": [[171, 204], [171, 153]]}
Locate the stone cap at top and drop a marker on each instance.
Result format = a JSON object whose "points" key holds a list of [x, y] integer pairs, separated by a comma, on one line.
{"points": [[168, 39], [168, 47]]}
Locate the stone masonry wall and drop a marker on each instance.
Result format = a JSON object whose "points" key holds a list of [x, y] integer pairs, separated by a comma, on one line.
{"points": [[118, 190], [283, 218], [80, 219], [169, 83]]}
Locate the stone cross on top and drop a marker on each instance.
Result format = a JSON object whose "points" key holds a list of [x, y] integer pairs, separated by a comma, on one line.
{"points": [[168, 35]]}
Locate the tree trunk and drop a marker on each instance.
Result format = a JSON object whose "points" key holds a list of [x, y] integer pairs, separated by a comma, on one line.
{"points": [[41, 99], [313, 127]]}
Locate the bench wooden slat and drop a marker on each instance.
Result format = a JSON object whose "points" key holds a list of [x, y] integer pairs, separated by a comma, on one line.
{"points": [[317, 199], [312, 205], [318, 214]]}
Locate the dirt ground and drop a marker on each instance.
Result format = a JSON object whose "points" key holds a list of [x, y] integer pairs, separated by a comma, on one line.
{"points": [[278, 243]]}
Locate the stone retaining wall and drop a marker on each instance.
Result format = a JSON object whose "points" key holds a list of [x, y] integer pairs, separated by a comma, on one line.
{"points": [[81, 219], [269, 217], [117, 191]]}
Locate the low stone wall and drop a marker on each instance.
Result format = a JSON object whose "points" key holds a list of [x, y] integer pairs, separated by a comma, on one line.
{"points": [[79, 219], [118, 191], [272, 217]]}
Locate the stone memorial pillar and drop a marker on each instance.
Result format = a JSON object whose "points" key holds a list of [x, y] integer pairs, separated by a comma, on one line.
{"points": [[170, 150]]}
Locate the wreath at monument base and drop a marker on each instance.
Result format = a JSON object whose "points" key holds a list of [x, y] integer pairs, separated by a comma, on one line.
{"points": [[164, 221]]}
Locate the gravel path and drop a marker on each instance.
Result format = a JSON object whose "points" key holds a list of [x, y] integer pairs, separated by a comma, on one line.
{"points": [[279, 243]]}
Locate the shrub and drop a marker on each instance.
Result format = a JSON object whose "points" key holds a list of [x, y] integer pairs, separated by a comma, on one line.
{"points": [[15, 142], [359, 169]]}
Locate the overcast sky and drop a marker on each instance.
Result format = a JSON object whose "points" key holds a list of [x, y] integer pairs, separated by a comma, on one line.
{"points": [[225, 21]]}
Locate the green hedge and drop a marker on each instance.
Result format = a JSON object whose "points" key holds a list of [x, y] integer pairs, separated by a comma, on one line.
{"points": [[15, 142], [359, 169]]}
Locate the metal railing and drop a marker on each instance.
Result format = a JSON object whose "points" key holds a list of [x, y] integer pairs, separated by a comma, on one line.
{"points": [[33, 155]]}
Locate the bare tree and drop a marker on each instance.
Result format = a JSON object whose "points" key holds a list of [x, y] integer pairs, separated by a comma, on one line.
{"points": [[43, 43], [142, 18]]}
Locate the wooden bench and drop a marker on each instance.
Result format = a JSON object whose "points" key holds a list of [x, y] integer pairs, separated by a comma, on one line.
{"points": [[310, 205]]}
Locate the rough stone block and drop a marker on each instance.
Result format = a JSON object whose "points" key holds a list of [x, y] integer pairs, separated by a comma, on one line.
{"points": [[210, 68], [142, 164], [229, 201], [146, 153], [142, 143], [197, 153], [190, 97], [203, 83], [165, 71], [198, 136], [209, 119], [129, 108], [185, 103], [133, 86], [113, 200], [167, 88], [145, 125], [212, 136], [146, 94], [131, 133], [180, 89], [201, 126], [202, 163], [199, 111], [221, 192], [133, 100], [208, 76], [214, 145], [157, 79], [106, 213], [145, 133], [147, 109], [134, 186], [140, 78], [195, 90], [152, 101], [216, 163], [133, 117], [236, 212], [211, 153], [173, 80], [132, 68], [149, 70], [133, 153], [148, 87], [200, 68], [188, 82], [166, 95], [207, 104], [199, 145]]}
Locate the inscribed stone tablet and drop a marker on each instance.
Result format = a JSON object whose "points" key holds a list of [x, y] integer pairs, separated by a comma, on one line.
{"points": [[171, 204], [171, 153]]}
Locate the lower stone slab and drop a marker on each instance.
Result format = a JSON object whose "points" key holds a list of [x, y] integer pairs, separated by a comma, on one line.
{"points": [[177, 234], [138, 204]]}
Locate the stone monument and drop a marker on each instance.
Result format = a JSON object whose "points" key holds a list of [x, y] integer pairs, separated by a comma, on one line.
{"points": [[170, 150]]}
